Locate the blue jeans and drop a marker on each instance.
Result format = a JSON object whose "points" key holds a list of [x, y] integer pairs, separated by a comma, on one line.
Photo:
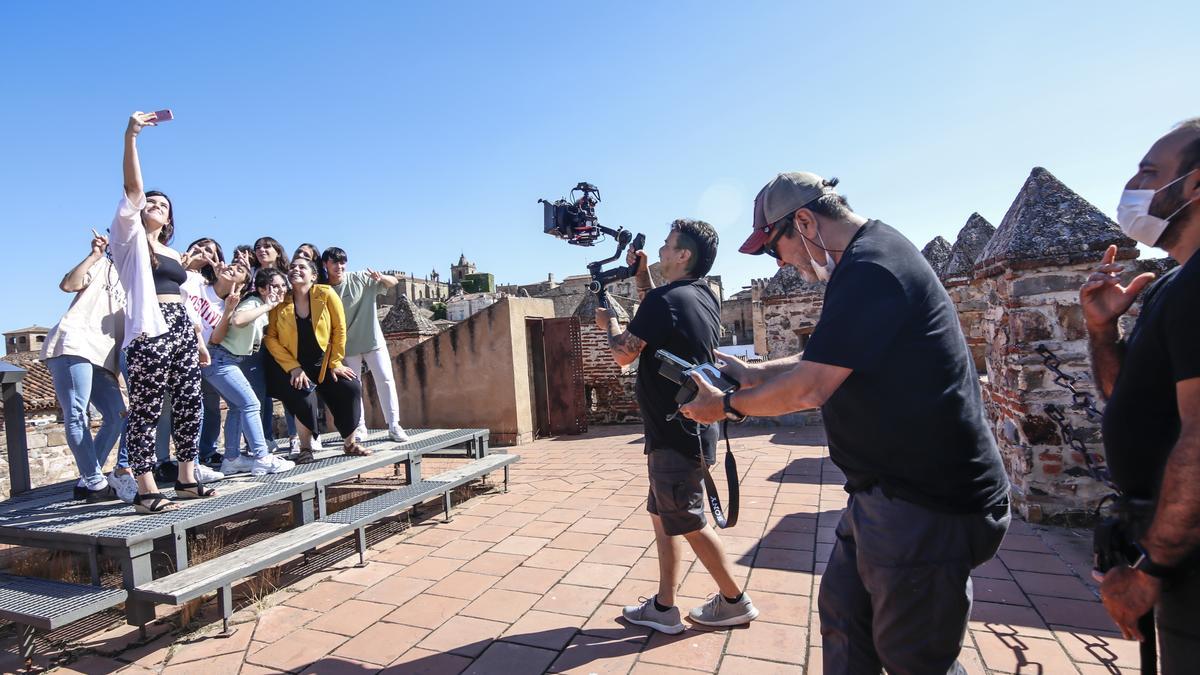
{"points": [[210, 418], [78, 382], [225, 376]]}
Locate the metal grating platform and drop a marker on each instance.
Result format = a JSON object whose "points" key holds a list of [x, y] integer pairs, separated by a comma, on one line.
{"points": [[50, 604], [197, 512], [398, 498]]}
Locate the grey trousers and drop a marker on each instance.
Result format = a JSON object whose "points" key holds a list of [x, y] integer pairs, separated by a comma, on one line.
{"points": [[896, 593]]}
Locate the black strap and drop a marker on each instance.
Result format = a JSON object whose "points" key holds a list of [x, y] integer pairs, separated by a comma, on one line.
{"points": [[722, 518], [1149, 644]]}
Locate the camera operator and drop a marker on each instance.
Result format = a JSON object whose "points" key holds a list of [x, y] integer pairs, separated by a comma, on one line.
{"points": [[888, 364], [683, 317], [1151, 378]]}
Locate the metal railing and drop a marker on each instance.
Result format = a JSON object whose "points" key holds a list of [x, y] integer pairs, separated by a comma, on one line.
{"points": [[14, 427]]}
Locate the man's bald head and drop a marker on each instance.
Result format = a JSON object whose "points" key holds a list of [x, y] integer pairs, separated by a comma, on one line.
{"points": [[1173, 163]]}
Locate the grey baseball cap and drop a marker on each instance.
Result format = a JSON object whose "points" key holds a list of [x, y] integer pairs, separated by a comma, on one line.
{"points": [[783, 195]]}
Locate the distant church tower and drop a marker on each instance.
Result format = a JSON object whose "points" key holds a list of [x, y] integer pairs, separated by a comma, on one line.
{"points": [[462, 269]]}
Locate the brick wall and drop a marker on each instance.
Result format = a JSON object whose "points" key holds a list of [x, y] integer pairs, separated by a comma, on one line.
{"points": [[609, 389]]}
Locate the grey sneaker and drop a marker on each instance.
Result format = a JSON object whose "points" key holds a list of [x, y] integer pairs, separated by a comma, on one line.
{"points": [[720, 612], [646, 614]]}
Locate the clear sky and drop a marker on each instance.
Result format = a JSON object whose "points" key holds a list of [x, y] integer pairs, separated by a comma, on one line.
{"points": [[409, 132]]}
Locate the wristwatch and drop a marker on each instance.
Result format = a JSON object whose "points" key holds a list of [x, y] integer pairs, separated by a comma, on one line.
{"points": [[1145, 564], [732, 414]]}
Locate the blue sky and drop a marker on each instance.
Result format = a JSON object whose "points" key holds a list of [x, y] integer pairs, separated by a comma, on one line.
{"points": [[407, 133]]}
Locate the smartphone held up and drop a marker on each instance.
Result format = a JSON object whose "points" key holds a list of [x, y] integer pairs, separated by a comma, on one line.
{"points": [[164, 115]]}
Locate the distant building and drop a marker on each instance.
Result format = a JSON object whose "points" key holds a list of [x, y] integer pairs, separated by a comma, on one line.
{"points": [[423, 291], [459, 307], [28, 339]]}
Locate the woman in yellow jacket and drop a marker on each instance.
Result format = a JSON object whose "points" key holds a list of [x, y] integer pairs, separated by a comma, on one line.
{"points": [[306, 336]]}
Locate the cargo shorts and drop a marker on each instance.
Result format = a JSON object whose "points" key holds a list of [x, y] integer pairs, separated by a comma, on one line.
{"points": [[676, 490]]}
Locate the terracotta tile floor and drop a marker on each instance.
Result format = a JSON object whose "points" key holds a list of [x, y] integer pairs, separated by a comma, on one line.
{"points": [[532, 581]]}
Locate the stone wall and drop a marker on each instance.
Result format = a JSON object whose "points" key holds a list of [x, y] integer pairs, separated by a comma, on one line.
{"points": [[790, 310], [609, 389], [50, 460]]}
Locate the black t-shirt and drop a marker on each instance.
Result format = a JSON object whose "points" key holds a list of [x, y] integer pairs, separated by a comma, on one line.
{"points": [[310, 353], [1141, 422], [683, 318], [910, 416]]}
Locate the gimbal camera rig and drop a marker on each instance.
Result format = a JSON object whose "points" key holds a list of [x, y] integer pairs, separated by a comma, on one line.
{"points": [[575, 220]]}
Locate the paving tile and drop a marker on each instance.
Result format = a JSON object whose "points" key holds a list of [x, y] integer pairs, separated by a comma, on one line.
{"points": [[560, 559], [501, 605], [435, 536], [780, 581], [513, 519], [520, 545], [1033, 562], [561, 515], [336, 665], [97, 665], [992, 569], [615, 555], [382, 643], [698, 649], [1016, 654], [493, 563], [464, 521], [1087, 614], [627, 536], [351, 617], [404, 554], [462, 549], [492, 533], [417, 661], [659, 669], [369, 575], [607, 622], [596, 574], [395, 591], [463, 635], [529, 580], [279, 621], [212, 645], [544, 629], [434, 569], [301, 648], [998, 590], [588, 655], [1099, 648], [228, 663], [575, 600], [1054, 585], [740, 665], [427, 611], [577, 541], [465, 585], [324, 596], [782, 608], [512, 659], [542, 529], [782, 642], [590, 525]]}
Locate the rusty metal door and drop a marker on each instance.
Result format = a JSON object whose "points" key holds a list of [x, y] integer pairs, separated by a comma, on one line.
{"points": [[556, 349]]}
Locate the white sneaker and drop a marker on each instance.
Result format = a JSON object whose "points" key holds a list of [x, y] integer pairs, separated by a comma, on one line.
{"points": [[294, 444], [207, 475], [124, 485], [242, 464], [268, 463], [397, 433], [316, 443]]}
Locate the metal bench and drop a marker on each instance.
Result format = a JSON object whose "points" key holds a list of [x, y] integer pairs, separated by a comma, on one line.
{"points": [[48, 605], [220, 573]]}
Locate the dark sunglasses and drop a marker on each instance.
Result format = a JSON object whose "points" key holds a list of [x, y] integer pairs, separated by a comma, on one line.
{"points": [[771, 247]]}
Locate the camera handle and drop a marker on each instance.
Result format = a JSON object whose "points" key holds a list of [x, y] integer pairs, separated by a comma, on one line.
{"points": [[601, 277]]}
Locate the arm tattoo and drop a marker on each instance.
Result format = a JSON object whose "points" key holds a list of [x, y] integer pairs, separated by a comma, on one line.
{"points": [[626, 344]]}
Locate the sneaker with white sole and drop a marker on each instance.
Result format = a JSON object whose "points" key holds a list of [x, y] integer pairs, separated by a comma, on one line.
{"points": [[316, 443], [646, 614], [268, 463], [241, 464], [397, 433], [124, 485], [720, 612], [207, 475]]}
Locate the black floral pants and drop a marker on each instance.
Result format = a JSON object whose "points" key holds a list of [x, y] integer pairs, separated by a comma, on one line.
{"points": [[158, 365]]}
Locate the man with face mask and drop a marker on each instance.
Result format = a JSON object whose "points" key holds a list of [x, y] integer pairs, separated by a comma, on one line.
{"points": [[889, 366], [1151, 378]]}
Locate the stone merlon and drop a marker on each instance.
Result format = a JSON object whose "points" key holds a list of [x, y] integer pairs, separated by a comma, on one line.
{"points": [[787, 281], [971, 240], [1048, 224], [937, 252], [405, 318]]}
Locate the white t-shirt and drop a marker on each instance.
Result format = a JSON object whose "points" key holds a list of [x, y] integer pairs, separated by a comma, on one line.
{"points": [[94, 325], [127, 241], [203, 304]]}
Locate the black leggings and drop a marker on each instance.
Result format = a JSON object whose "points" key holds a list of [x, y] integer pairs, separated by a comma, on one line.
{"points": [[343, 397]]}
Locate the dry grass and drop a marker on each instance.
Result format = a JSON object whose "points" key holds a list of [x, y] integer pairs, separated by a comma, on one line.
{"points": [[56, 565]]}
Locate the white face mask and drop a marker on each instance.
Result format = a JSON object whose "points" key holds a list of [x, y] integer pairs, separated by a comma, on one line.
{"points": [[1133, 214], [823, 272]]}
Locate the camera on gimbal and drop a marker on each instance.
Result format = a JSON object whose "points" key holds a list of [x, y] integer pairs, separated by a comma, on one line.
{"points": [[575, 221]]}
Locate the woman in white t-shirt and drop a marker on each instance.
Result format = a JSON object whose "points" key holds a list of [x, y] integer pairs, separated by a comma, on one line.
{"points": [[81, 354]]}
